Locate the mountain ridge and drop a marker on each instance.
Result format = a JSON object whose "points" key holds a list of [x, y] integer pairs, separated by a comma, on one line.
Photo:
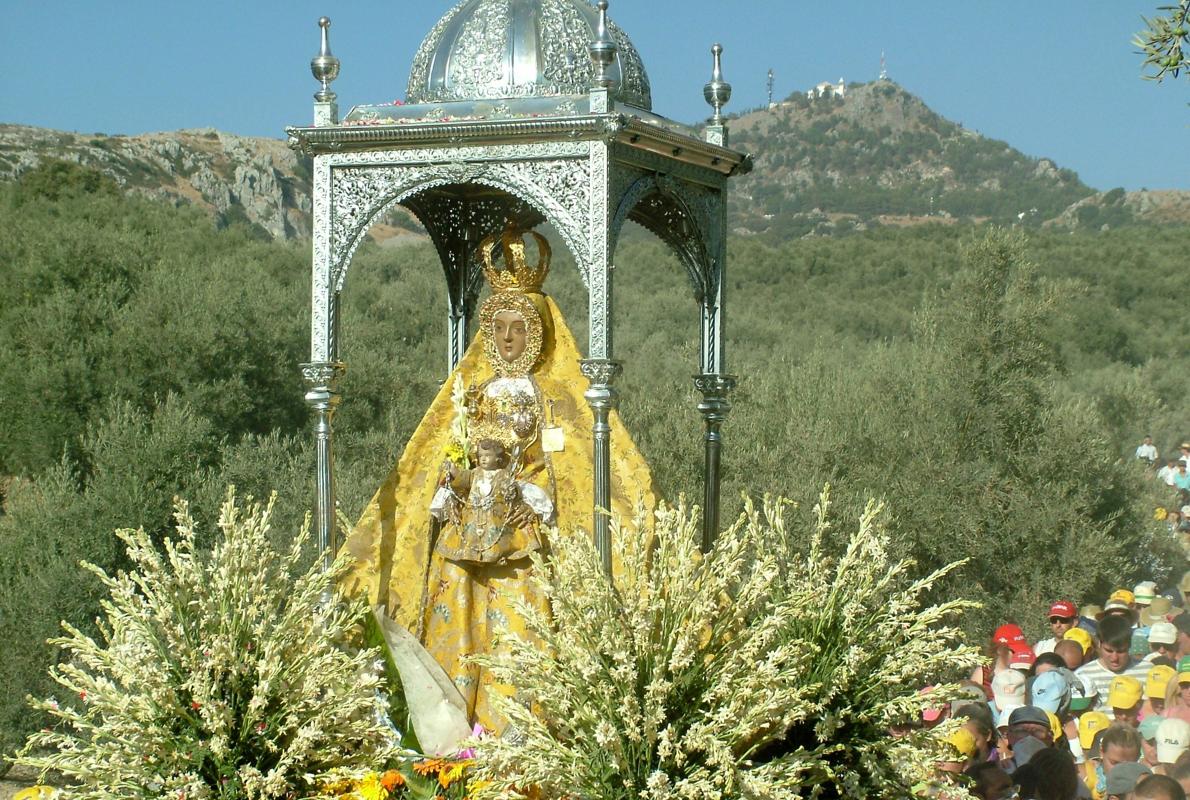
{"points": [[828, 161]]}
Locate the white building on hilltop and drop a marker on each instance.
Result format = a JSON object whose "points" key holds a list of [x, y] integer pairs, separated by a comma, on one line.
{"points": [[828, 89]]}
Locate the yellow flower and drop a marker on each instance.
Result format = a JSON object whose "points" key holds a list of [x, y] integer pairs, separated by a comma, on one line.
{"points": [[475, 787], [35, 793], [370, 788], [452, 772]]}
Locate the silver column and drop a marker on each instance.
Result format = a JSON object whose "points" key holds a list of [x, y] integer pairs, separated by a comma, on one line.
{"points": [[713, 407], [603, 398], [322, 379]]}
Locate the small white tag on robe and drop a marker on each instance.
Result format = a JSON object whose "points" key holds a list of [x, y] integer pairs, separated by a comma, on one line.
{"points": [[553, 440]]}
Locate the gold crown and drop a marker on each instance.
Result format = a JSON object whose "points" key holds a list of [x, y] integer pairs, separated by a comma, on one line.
{"points": [[517, 275]]}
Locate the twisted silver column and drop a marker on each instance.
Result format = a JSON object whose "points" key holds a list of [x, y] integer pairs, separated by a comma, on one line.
{"points": [[322, 380], [603, 398]]}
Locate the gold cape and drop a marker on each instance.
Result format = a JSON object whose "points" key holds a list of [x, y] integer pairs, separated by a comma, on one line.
{"points": [[390, 543]]}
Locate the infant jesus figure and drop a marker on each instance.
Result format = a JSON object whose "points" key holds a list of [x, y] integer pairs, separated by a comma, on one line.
{"points": [[486, 515]]}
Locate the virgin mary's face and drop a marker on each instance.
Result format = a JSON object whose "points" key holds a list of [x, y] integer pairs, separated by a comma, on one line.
{"points": [[508, 331]]}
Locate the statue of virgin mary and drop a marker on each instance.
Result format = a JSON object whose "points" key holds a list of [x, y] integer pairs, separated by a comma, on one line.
{"points": [[500, 465]]}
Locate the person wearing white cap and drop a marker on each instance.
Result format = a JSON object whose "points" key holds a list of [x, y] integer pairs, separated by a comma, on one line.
{"points": [[1173, 739], [1008, 689], [1163, 641], [1144, 592]]}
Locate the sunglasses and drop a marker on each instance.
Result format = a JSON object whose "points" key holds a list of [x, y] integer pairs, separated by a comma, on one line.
{"points": [[1065, 620]]}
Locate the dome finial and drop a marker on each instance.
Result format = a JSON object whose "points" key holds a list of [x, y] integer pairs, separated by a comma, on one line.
{"points": [[325, 66], [603, 49], [717, 91]]}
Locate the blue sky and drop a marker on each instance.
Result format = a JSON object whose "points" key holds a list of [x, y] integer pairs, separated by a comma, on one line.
{"points": [[1054, 78]]}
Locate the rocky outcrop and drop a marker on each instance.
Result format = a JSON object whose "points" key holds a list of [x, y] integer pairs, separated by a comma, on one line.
{"points": [[257, 180]]}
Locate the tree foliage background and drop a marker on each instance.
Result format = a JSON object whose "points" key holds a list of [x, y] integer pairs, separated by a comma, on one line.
{"points": [[989, 388]]}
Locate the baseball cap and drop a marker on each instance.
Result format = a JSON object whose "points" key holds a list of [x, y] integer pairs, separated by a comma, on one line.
{"points": [[1055, 724], [1184, 669], [1157, 681], [1148, 727], [1081, 636], [1022, 659], [930, 712], [1028, 714], [1082, 696], [1090, 724], [1120, 607], [1008, 689], [1121, 595], [1009, 634], [1051, 691], [1163, 633], [963, 741], [1173, 739], [1006, 715], [1123, 777], [1124, 691], [1144, 592], [1063, 608]]}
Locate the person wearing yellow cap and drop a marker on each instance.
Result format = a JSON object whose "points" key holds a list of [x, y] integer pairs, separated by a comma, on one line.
{"points": [[1082, 638], [1156, 685], [1091, 726], [1177, 695], [1123, 596], [961, 748], [1124, 695]]}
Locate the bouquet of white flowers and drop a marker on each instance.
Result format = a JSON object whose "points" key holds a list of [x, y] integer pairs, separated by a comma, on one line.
{"points": [[218, 675]]}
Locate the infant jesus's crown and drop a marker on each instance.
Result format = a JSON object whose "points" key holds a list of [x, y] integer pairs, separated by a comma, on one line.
{"points": [[516, 274]]}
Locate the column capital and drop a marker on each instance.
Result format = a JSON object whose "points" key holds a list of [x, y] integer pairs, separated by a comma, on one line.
{"points": [[323, 374], [601, 371], [715, 385]]}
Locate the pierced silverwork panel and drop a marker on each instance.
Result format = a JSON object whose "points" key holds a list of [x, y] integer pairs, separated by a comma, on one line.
{"points": [[548, 177]]}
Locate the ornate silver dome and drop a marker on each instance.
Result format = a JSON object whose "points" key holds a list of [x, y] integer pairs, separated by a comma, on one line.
{"points": [[491, 49]]}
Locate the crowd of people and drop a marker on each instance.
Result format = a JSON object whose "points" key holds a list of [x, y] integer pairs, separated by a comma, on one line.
{"points": [[1175, 474], [1100, 709]]}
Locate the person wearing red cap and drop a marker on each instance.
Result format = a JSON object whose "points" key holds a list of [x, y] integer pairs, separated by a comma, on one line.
{"points": [[1006, 641], [1062, 617]]}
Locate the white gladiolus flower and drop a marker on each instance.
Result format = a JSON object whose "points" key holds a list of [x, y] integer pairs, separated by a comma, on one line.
{"points": [[209, 666]]}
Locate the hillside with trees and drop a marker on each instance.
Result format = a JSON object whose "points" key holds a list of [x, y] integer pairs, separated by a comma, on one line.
{"points": [[880, 152], [990, 388]]}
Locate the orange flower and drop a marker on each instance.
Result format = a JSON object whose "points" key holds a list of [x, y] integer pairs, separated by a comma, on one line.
{"points": [[391, 780], [431, 766]]}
